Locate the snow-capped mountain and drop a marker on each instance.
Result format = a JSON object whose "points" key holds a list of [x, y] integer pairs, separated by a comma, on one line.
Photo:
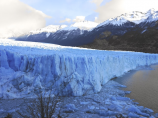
{"points": [[49, 29], [83, 25], [135, 17], [40, 34], [85, 32], [116, 26], [121, 25], [153, 15], [141, 37], [58, 33]]}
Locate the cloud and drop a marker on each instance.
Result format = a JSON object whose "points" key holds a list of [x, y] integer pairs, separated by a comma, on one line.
{"points": [[79, 19], [17, 17], [97, 2], [96, 18], [30, 1], [115, 8], [66, 20]]}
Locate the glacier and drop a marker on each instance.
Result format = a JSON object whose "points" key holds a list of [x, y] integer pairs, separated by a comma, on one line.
{"points": [[26, 67]]}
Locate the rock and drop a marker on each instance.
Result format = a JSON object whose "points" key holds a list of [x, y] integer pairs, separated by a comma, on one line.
{"points": [[70, 108], [107, 102], [133, 115], [103, 108], [123, 98], [91, 107], [127, 92], [151, 117], [135, 103], [112, 107], [89, 111], [94, 103], [101, 112], [104, 114], [97, 107], [84, 103], [156, 115], [121, 86], [113, 98], [147, 110], [136, 110], [119, 108], [112, 113]]}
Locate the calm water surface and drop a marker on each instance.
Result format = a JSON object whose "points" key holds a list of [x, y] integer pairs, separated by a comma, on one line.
{"points": [[143, 84]]}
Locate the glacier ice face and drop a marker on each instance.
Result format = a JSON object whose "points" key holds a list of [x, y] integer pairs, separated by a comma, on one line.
{"points": [[27, 67]]}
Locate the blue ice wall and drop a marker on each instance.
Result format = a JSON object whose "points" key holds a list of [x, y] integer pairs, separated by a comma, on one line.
{"points": [[67, 72]]}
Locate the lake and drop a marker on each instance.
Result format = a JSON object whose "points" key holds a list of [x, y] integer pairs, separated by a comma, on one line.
{"points": [[143, 84]]}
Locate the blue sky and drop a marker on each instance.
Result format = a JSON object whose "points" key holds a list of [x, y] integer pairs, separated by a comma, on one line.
{"points": [[61, 9]]}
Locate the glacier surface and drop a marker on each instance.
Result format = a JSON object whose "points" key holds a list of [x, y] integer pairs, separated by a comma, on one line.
{"points": [[26, 67]]}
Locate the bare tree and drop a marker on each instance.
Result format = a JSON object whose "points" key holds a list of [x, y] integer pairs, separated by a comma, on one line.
{"points": [[8, 116], [42, 107]]}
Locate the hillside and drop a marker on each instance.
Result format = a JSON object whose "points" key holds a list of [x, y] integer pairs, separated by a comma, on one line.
{"points": [[141, 38]]}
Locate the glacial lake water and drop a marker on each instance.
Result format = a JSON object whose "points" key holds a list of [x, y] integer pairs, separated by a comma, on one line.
{"points": [[143, 84]]}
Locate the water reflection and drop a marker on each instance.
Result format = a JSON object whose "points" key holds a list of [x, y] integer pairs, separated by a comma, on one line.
{"points": [[143, 84]]}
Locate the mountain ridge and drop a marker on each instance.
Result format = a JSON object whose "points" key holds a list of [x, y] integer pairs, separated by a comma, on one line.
{"points": [[110, 30]]}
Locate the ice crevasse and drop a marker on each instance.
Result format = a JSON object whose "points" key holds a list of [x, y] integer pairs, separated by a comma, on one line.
{"points": [[26, 67]]}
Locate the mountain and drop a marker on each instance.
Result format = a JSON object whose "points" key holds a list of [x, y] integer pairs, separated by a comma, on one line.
{"points": [[72, 35], [86, 32], [49, 29], [40, 34], [143, 37], [46, 30], [135, 17], [56, 34]]}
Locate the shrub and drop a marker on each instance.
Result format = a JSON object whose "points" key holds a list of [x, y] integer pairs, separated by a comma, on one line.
{"points": [[42, 107]]}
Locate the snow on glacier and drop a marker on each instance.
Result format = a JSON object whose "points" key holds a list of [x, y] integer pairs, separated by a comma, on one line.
{"points": [[26, 67]]}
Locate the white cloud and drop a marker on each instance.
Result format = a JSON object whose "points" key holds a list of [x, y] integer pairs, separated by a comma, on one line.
{"points": [[97, 2], [30, 1], [79, 19], [17, 17], [66, 20], [96, 18], [115, 8]]}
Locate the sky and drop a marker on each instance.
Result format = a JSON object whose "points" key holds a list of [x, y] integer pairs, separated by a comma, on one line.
{"points": [[64, 10], [19, 16]]}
